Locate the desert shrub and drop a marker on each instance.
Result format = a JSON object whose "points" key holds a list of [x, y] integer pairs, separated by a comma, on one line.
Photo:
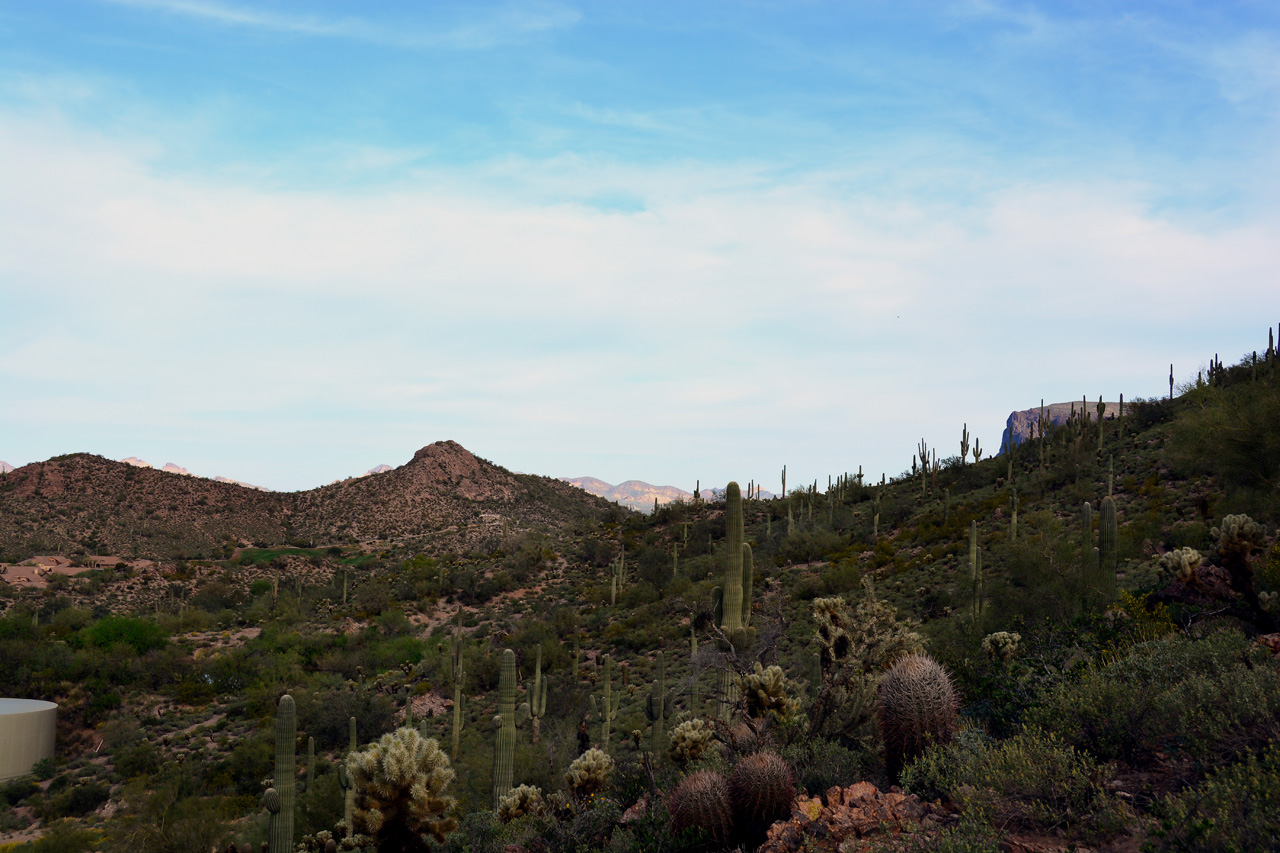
{"points": [[141, 634], [1209, 698], [135, 760], [1032, 780], [821, 764], [72, 801], [1231, 433], [17, 790], [63, 836], [1235, 808], [808, 545], [324, 715]]}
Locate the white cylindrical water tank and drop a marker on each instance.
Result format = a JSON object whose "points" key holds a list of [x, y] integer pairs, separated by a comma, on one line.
{"points": [[27, 732]]}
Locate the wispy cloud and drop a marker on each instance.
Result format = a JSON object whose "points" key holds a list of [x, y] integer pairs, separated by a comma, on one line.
{"points": [[481, 29]]}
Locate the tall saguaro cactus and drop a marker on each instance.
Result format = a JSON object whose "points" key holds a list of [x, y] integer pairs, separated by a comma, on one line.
{"points": [[504, 750], [656, 706], [1088, 564], [975, 572], [607, 706], [1013, 515], [733, 559], [280, 832], [458, 675], [1107, 534], [345, 782], [538, 699]]}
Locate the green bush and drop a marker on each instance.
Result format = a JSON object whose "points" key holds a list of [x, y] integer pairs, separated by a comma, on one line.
{"points": [[136, 760], [821, 764], [1032, 780], [1209, 699], [62, 837], [141, 634], [1235, 808]]}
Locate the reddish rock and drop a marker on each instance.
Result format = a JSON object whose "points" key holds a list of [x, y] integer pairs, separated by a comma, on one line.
{"points": [[849, 814]]}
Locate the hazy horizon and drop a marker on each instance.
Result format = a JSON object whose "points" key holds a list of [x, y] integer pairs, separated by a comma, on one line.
{"points": [[286, 242]]}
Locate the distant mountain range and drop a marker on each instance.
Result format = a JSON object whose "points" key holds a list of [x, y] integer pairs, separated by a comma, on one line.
{"points": [[171, 468], [639, 495]]}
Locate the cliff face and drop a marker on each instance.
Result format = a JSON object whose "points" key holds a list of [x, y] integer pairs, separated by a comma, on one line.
{"points": [[1021, 423]]}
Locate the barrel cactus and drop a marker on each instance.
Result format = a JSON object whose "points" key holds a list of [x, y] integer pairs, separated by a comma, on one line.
{"points": [[589, 773], [917, 707], [701, 801], [762, 788]]}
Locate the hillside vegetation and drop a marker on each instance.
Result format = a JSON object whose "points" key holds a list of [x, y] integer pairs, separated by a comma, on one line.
{"points": [[1070, 645]]}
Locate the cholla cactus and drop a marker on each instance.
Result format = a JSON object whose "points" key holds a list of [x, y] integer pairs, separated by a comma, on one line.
{"points": [[523, 800], [399, 783], [1001, 644], [1236, 539], [1181, 563], [589, 772], [917, 707], [1267, 601], [769, 690], [855, 646], [689, 740]]}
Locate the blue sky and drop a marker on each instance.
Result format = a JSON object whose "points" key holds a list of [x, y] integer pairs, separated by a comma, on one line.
{"points": [[287, 241]]}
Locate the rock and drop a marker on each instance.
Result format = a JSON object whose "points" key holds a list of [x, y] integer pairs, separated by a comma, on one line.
{"points": [[1020, 424], [850, 814]]}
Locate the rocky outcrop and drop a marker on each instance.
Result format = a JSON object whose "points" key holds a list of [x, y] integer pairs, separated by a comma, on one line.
{"points": [[849, 814], [1020, 424]]}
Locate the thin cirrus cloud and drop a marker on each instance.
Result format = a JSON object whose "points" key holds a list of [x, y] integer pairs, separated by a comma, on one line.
{"points": [[482, 30]]}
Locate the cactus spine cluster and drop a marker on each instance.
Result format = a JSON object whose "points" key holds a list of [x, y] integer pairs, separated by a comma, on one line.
{"points": [[280, 831], [607, 705]]}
